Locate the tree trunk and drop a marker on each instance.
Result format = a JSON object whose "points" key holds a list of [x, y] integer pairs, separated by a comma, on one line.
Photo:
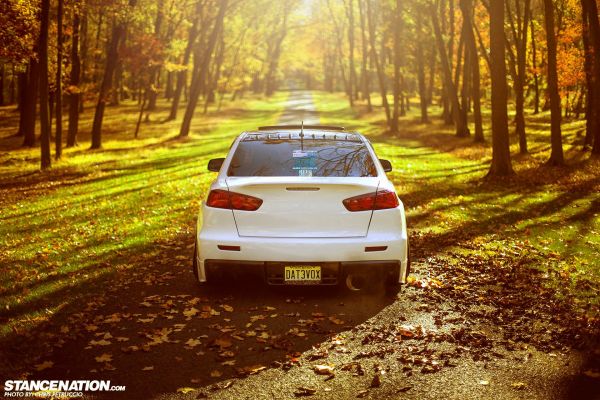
{"points": [[591, 10], [59, 57], [364, 75], [75, 82], [22, 98], [536, 79], [352, 86], [1, 84], [111, 63], [46, 161], [421, 71], [397, 59], [84, 58], [378, 67], [458, 117], [198, 78], [501, 164], [154, 75], [556, 155], [466, 7], [519, 33], [180, 83], [30, 97]]}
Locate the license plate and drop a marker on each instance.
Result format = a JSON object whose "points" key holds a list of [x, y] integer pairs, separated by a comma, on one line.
{"points": [[302, 274]]}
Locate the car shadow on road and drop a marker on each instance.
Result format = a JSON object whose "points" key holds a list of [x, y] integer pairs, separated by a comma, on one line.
{"points": [[159, 331]]}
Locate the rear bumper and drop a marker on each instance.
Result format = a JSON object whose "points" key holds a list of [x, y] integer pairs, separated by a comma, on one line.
{"points": [[332, 272], [386, 243]]}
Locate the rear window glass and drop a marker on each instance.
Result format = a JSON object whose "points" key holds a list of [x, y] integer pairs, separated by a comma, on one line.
{"points": [[295, 157]]}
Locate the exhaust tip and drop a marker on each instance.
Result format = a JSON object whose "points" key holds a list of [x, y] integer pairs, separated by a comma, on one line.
{"points": [[355, 283]]}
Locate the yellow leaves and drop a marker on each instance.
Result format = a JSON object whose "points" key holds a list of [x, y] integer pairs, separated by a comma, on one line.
{"points": [[148, 368], [592, 373], [191, 343], [185, 390], [336, 320], [190, 312], [322, 369], [519, 385], [227, 307], [113, 318], [44, 365], [215, 374], [222, 343], [105, 357], [483, 382], [101, 342]]}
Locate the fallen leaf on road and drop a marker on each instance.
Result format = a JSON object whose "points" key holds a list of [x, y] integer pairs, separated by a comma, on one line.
{"points": [[484, 383], [44, 365], [519, 385], [149, 368], [185, 390], [215, 374], [592, 374], [227, 307], [100, 342], [191, 343], [105, 357], [323, 369], [304, 391]]}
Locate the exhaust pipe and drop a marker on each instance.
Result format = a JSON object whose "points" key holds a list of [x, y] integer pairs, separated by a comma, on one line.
{"points": [[355, 282]]}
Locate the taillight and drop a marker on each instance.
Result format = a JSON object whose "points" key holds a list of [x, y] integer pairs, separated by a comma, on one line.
{"points": [[233, 201], [379, 200]]}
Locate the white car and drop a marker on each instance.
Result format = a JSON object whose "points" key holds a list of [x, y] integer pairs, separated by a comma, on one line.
{"points": [[302, 205]]}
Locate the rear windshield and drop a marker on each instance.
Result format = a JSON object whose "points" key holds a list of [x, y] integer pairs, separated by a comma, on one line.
{"points": [[295, 157]]}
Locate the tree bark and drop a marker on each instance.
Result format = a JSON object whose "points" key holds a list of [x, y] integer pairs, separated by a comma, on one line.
{"points": [[364, 75], [198, 78], [74, 82], [182, 75], [536, 79], [458, 117], [378, 67], [59, 88], [30, 97], [154, 74], [111, 63], [556, 154], [397, 60], [421, 71], [2, 84], [594, 42], [466, 7], [501, 164], [46, 161]]}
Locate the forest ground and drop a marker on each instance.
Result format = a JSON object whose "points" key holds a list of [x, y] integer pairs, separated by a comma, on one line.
{"points": [[96, 280]]}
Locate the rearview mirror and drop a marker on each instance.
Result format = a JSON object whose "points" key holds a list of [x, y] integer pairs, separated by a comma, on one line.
{"points": [[387, 166], [215, 164]]}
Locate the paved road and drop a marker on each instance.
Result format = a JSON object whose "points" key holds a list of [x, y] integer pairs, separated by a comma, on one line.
{"points": [[300, 107], [155, 331]]}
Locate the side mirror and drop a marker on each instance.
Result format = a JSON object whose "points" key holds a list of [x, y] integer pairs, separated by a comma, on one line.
{"points": [[387, 166], [215, 164]]}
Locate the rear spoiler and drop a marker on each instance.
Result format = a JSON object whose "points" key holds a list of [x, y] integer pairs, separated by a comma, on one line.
{"points": [[319, 127]]}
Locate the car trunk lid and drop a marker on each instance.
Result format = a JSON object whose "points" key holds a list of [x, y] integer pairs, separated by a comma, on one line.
{"points": [[302, 207]]}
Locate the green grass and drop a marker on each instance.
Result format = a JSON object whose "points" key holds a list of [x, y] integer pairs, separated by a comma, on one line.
{"points": [[96, 212], [440, 178]]}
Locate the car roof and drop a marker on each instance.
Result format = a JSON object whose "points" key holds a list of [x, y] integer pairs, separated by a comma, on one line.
{"points": [[298, 132]]}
